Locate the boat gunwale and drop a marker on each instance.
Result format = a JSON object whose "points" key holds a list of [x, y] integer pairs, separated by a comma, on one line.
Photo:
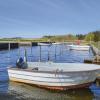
{"points": [[51, 72]]}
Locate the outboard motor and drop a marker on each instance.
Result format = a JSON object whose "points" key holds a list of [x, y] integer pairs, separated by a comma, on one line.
{"points": [[21, 64]]}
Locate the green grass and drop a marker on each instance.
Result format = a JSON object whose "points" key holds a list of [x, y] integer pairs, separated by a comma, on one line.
{"points": [[24, 40], [96, 44]]}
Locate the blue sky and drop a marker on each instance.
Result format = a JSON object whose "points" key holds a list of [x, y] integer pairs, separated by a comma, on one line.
{"points": [[35, 18]]}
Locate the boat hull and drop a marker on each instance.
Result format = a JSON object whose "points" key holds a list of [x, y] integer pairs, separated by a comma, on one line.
{"points": [[85, 85], [53, 80], [78, 47]]}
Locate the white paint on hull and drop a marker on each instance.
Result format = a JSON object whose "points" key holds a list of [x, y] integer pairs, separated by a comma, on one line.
{"points": [[79, 47], [65, 79], [55, 74]]}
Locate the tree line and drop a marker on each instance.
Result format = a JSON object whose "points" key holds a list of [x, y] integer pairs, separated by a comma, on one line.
{"points": [[91, 36]]}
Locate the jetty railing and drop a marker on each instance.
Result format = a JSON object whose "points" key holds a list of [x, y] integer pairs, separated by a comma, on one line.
{"points": [[95, 47]]}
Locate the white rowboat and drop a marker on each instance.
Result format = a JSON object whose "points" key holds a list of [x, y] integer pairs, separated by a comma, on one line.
{"points": [[59, 76], [79, 47], [44, 44]]}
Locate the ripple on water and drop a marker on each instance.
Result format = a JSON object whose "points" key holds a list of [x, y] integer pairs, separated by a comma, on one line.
{"points": [[27, 92]]}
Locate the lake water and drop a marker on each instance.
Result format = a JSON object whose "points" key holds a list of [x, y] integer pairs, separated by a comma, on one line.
{"points": [[19, 91]]}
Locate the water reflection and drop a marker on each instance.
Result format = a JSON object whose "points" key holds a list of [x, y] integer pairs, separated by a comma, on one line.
{"points": [[96, 91], [31, 92], [3, 87], [4, 78]]}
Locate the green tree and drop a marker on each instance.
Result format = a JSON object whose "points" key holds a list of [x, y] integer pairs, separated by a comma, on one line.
{"points": [[96, 36], [89, 37], [80, 36]]}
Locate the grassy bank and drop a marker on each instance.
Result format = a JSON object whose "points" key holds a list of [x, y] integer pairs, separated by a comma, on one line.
{"points": [[24, 40], [57, 38], [96, 44]]}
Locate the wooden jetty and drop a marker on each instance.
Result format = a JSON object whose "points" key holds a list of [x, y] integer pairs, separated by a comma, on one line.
{"points": [[8, 45], [25, 43], [96, 58], [4, 45]]}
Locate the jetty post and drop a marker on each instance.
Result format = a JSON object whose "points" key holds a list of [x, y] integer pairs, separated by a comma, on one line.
{"points": [[49, 49], [31, 52], [40, 54], [49, 53], [9, 46], [18, 49], [60, 47], [25, 55], [96, 53], [55, 51]]}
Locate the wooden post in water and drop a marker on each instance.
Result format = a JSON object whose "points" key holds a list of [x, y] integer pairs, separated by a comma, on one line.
{"points": [[55, 51], [40, 54], [63, 47], [49, 54], [9, 46], [31, 51], [60, 50], [49, 50], [25, 55], [18, 50], [9, 52]]}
